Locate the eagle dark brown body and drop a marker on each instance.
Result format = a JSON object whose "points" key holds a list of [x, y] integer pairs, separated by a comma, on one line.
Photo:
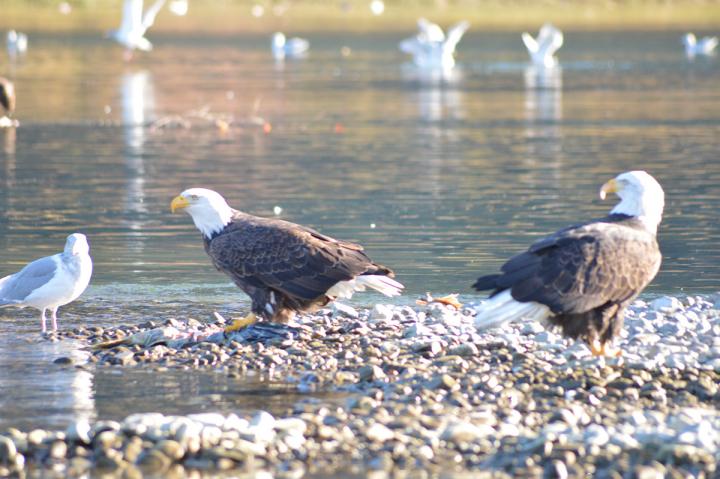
{"points": [[7, 95], [285, 267], [586, 275]]}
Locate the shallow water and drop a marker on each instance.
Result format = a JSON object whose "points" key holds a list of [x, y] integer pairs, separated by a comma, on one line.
{"points": [[440, 178]]}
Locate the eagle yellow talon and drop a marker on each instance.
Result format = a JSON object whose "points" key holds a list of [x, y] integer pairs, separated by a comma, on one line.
{"points": [[241, 323], [602, 349]]}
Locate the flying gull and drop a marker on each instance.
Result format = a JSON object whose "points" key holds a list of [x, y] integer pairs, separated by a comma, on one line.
{"points": [[135, 23], [50, 282], [431, 48], [542, 49]]}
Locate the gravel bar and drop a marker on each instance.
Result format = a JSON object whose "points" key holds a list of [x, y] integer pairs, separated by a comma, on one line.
{"points": [[426, 392]]}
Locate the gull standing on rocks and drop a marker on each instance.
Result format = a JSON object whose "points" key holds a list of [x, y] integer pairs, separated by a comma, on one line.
{"points": [[131, 33], [704, 46], [50, 282], [542, 49], [431, 48], [288, 47]]}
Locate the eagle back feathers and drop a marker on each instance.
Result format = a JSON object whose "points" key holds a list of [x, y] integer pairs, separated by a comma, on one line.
{"points": [[289, 258], [581, 267]]}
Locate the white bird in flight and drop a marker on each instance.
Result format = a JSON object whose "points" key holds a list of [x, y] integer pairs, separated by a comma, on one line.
{"points": [[703, 46], [542, 49], [431, 48], [50, 282], [135, 23], [288, 47]]}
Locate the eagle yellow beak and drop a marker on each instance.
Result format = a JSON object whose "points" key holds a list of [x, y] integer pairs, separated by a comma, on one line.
{"points": [[609, 187], [179, 203]]}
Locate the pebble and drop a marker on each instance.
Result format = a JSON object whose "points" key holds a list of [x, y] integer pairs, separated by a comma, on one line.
{"points": [[379, 433], [79, 431]]}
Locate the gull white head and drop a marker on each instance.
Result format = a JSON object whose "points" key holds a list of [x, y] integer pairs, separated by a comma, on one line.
{"points": [[77, 244], [641, 196], [209, 211]]}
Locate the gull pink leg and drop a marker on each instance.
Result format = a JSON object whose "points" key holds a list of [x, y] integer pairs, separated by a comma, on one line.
{"points": [[54, 319], [42, 318]]}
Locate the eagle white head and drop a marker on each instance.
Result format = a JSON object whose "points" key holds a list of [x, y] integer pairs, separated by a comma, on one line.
{"points": [[641, 196], [76, 244], [208, 209]]}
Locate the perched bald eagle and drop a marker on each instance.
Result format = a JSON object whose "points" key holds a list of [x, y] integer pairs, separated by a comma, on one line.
{"points": [[284, 267], [7, 95], [583, 277]]}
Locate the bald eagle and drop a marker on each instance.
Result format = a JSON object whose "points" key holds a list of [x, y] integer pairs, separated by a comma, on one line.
{"points": [[7, 95], [284, 267], [583, 277]]}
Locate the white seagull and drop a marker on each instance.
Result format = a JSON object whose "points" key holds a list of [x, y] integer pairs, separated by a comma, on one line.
{"points": [[431, 48], [542, 49], [131, 33], [17, 43], [703, 46], [50, 282], [288, 47]]}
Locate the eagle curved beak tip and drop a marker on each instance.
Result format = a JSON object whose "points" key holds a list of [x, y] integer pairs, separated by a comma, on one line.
{"points": [[609, 187], [178, 203]]}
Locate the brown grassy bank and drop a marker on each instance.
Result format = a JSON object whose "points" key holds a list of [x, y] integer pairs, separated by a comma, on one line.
{"points": [[224, 17]]}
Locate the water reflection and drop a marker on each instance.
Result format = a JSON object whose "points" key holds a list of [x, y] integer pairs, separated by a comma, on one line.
{"points": [[431, 76], [138, 111], [9, 140], [32, 382], [543, 114], [452, 167]]}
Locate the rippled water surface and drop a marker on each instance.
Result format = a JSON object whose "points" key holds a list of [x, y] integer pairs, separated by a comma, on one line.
{"points": [[440, 178]]}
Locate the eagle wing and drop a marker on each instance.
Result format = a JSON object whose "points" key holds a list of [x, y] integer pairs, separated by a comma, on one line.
{"points": [[286, 257], [581, 268]]}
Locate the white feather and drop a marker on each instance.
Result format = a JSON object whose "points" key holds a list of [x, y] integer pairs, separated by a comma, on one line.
{"points": [[383, 284], [502, 308]]}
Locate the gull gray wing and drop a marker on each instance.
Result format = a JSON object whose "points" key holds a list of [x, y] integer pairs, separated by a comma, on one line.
{"points": [[36, 274]]}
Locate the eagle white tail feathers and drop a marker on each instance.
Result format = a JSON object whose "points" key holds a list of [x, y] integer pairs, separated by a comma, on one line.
{"points": [[502, 308], [383, 284]]}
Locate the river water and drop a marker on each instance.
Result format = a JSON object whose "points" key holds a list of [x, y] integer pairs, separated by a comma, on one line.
{"points": [[441, 177]]}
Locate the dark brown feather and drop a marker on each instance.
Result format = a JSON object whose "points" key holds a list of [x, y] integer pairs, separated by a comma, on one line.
{"points": [[7, 95], [586, 274], [297, 264]]}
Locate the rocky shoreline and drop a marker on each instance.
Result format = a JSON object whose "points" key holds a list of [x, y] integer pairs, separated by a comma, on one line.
{"points": [[426, 391]]}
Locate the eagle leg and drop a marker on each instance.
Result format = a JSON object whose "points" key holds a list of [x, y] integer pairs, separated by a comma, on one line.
{"points": [[241, 323], [602, 349]]}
